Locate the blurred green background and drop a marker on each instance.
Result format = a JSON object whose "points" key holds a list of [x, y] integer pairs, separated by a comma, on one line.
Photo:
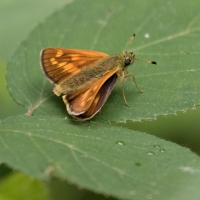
{"points": [[17, 19]]}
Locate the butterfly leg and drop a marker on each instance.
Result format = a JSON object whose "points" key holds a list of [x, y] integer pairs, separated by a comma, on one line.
{"points": [[130, 74], [123, 76]]}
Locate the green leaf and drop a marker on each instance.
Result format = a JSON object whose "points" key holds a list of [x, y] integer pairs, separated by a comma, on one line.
{"points": [[20, 187], [110, 160], [165, 32]]}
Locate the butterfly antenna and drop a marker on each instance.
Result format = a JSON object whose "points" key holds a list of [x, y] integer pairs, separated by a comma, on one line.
{"points": [[148, 61], [129, 42]]}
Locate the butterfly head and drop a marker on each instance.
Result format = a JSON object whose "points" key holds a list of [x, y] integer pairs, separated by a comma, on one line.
{"points": [[128, 58]]}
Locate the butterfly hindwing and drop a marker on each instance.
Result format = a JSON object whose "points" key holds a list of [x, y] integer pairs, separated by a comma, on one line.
{"points": [[90, 102]]}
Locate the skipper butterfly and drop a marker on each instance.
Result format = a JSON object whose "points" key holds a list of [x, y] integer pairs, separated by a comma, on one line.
{"points": [[86, 78]]}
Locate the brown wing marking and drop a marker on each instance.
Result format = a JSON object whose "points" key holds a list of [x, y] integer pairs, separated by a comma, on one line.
{"points": [[59, 64], [82, 103]]}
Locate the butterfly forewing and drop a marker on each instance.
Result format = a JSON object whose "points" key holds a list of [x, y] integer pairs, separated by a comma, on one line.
{"points": [[59, 64], [100, 98]]}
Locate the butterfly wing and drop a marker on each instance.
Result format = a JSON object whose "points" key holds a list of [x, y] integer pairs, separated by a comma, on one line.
{"points": [[63, 66], [100, 98], [88, 103], [59, 64]]}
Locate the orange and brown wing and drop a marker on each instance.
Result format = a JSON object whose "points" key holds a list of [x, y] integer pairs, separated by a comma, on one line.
{"points": [[100, 99], [88, 103], [59, 64]]}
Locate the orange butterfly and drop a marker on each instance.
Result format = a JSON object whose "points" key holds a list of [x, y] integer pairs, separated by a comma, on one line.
{"points": [[85, 78]]}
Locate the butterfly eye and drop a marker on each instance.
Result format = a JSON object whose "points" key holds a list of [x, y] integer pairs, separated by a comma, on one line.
{"points": [[127, 61]]}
